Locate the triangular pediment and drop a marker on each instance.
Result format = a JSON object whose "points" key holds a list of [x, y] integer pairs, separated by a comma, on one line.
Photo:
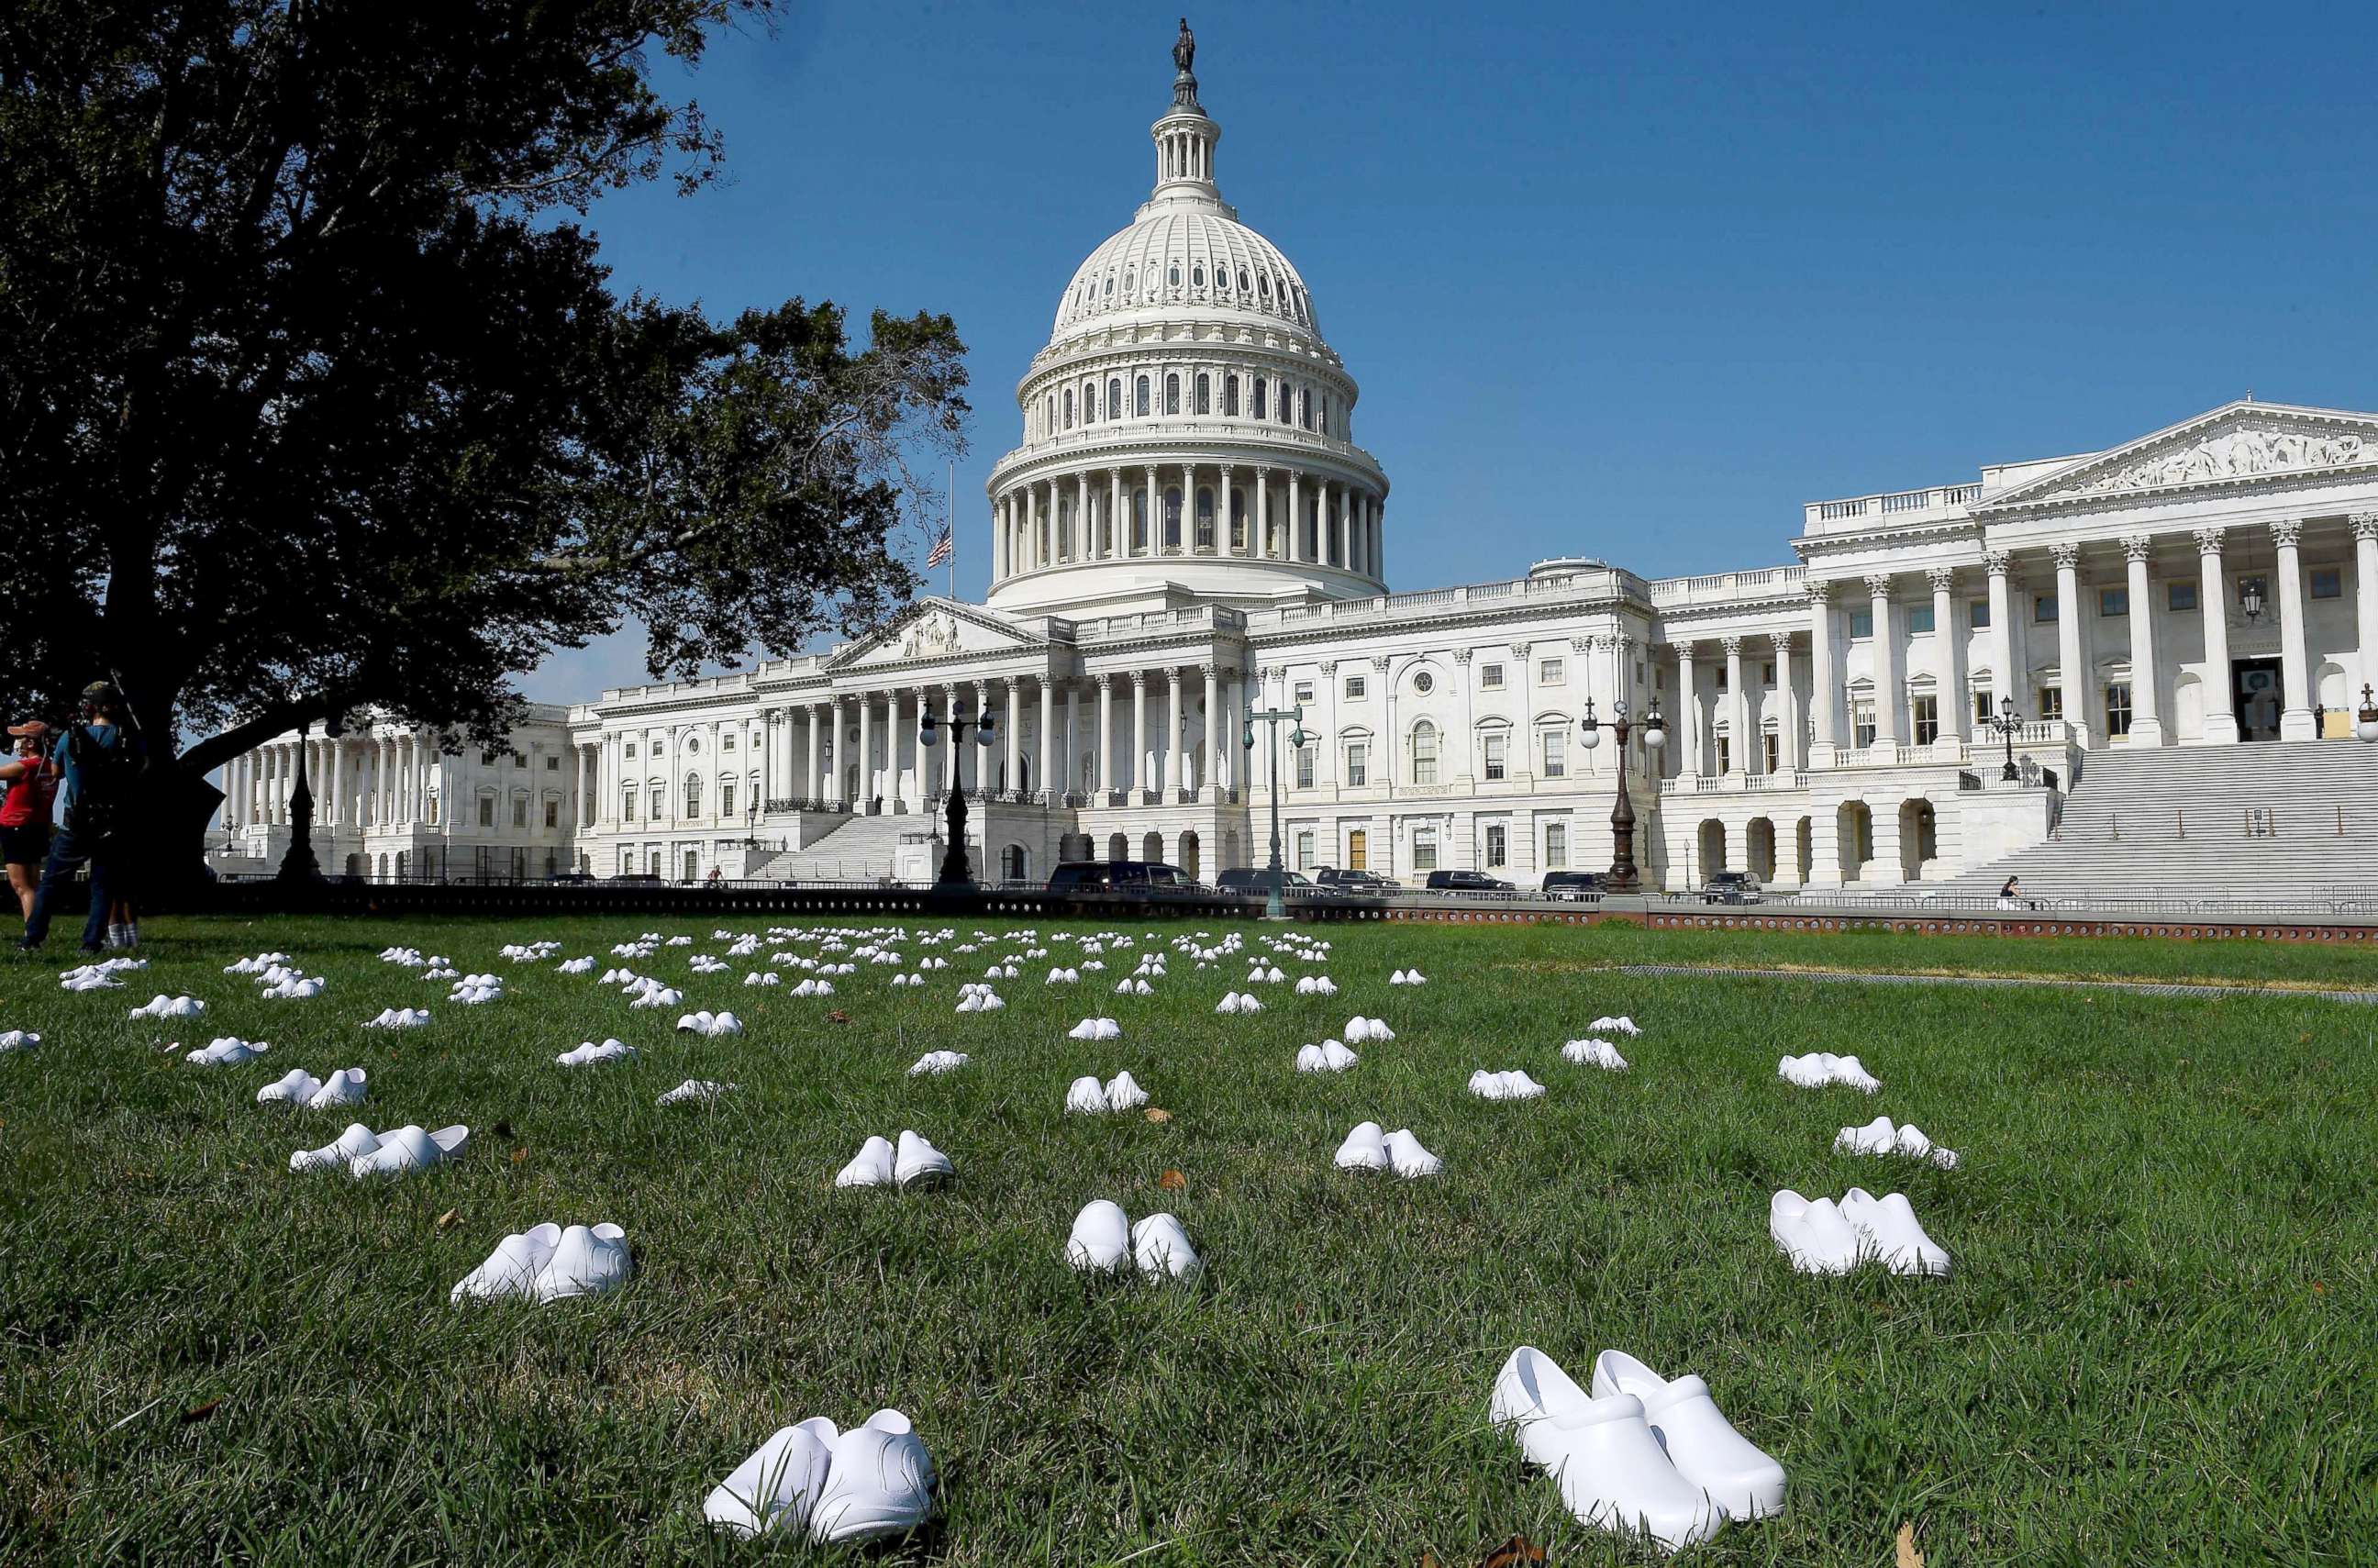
{"points": [[2236, 445], [933, 630]]}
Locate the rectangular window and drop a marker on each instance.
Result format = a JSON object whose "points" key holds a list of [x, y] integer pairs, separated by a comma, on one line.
{"points": [[1767, 673], [1304, 691], [1358, 763], [553, 814], [2051, 702], [1305, 849], [1556, 754], [486, 811], [628, 806], [727, 742], [1772, 747], [1919, 617], [631, 750], [1357, 688], [2118, 708], [553, 765], [726, 797], [1495, 747], [1862, 723], [1424, 848], [1490, 677], [1978, 614], [520, 811], [2043, 609], [2327, 582], [2113, 601], [1551, 671], [1927, 720], [1498, 846], [1557, 846], [2179, 595], [1862, 622], [1724, 678], [1724, 754], [1982, 707], [1358, 849], [520, 759], [1305, 767]]}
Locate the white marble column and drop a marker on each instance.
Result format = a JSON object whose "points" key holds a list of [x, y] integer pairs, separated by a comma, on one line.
{"points": [[2295, 660], [1047, 766], [2071, 662], [2213, 614], [1013, 722], [1176, 732], [1788, 713], [2005, 679], [1155, 544], [1106, 733], [1688, 708], [1888, 697], [1069, 755], [1824, 685], [1213, 769], [2146, 708], [1139, 775], [1263, 515], [2365, 598], [1948, 657], [1741, 752], [1295, 521]]}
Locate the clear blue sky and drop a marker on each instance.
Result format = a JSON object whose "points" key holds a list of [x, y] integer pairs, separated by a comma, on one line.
{"points": [[1634, 281]]}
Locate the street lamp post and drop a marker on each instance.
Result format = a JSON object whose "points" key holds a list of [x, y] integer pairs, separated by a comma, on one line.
{"points": [[1274, 906], [955, 872], [2365, 723], [2004, 724], [297, 862], [1622, 876]]}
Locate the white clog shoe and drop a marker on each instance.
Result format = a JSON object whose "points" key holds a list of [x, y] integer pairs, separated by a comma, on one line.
{"points": [[880, 1483], [1086, 1097], [1887, 1228], [1161, 1249], [1621, 1025], [693, 1091], [1701, 1443], [1877, 1136], [1124, 1094], [352, 1144], [409, 1149], [512, 1269], [1594, 1054], [1911, 1142], [344, 1087], [1610, 1468], [918, 1163], [938, 1062], [1812, 1233], [588, 1260], [297, 1086], [1365, 1148], [1408, 1159], [778, 1486], [872, 1166], [1100, 1239]]}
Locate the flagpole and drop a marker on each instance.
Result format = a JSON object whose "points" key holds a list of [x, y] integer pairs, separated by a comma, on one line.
{"points": [[954, 530]]}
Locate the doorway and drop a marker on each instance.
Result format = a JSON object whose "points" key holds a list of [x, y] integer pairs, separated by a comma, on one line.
{"points": [[2256, 697]]}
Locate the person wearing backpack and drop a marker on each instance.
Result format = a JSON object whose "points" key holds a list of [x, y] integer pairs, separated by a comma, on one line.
{"points": [[100, 760]]}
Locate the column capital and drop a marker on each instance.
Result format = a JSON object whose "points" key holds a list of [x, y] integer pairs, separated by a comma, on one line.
{"points": [[1733, 645], [2208, 540], [1819, 591], [1687, 649], [2137, 546], [2066, 556], [1521, 650], [1943, 579], [1877, 584], [1379, 662], [1329, 665], [1783, 642], [1103, 679], [1462, 656], [1999, 563], [2365, 524], [2287, 532], [1138, 680]]}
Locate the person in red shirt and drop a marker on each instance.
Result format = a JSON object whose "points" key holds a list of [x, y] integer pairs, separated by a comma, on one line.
{"points": [[33, 784]]}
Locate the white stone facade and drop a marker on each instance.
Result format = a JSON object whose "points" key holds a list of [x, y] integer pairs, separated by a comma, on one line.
{"points": [[1188, 533]]}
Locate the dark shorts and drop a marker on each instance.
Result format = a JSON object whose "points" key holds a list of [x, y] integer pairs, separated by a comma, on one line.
{"points": [[28, 845]]}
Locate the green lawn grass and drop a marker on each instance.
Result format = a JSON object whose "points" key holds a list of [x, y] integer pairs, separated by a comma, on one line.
{"points": [[2158, 1345]]}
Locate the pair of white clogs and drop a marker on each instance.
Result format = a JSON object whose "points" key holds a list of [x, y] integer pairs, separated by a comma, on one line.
{"points": [[1640, 1454], [362, 1153], [547, 1264], [834, 1486], [1366, 1149], [1513, 1085], [1327, 1056], [914, 1163], [1103, 1239], [1824, 1237], [1121, 1093]]}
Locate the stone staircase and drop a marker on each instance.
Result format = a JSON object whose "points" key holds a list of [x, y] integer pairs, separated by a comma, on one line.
{"points": [[2273, 820], [858, 851]]}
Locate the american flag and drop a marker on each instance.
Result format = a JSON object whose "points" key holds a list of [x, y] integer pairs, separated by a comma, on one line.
{"points": [[944, 549]]}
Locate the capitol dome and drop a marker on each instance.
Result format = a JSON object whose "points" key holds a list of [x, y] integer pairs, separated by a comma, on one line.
{"points": [[1188, 434]]}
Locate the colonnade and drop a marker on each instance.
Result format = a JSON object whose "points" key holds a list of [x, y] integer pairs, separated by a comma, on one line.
{"points": [[369, 780], [1243, 512]]}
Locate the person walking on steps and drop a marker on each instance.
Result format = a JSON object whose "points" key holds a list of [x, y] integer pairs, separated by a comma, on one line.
{"points": [[100, 760]]}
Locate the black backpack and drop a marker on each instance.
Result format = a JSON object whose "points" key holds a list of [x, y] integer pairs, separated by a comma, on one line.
{"points": [[105, 777]]}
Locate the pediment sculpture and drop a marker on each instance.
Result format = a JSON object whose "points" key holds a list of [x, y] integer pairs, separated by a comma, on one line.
{"points": [[2235, 455]]}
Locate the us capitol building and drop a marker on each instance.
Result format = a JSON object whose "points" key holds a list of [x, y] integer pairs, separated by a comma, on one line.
{"points": [[1189, 530]]}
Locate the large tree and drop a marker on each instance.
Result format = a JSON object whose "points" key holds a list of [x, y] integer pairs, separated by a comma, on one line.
{"points": [[314, 394]]}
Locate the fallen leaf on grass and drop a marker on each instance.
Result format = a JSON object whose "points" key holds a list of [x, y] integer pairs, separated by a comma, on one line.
{"points": [[519, 1156], [1159, 1114], [1173, 1181], [1518, 1550], [446, 1221], [201, 1412], [1908, 1556], [837, 1015]]}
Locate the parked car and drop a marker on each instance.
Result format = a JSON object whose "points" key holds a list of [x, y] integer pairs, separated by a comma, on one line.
{"points": [[1466, 882], [1119, 876], [1249, 879], [1573, 886], [1731, 887], [1339, 879]]}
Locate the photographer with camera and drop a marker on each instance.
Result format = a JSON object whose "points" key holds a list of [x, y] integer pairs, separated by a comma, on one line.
{"points": [[100, 760]]}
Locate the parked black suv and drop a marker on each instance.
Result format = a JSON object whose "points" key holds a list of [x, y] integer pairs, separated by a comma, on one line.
{"points": [[1122, 876], [1341, 880], [1732, 888], [1248, 879], [1466, 882], [1573, 886]]}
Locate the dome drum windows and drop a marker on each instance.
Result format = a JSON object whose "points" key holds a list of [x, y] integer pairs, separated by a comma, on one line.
{"points": [[1172, 522], [1172, 394], [1204, 521], [1231, 396], [1069, 408], [1256, 406], [1142, 409], [1205, 393], [1114, 397]]}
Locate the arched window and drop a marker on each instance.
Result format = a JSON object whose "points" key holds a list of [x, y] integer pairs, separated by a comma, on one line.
{"points": [[1172, 394], [1138, 521], [1069, 408], [1238, 519], [726, 797], [1114, 397], [1130, 281], [1143, 397], [1173, 274], [1204, 392], [1197, 275], [1231, 396], [692, 795], [1171, 520], [1243, 280], [1205, 519], [1423, 753], [1109, 289], [1089, 403], [1263, 284], [1050, 427], [1255, 402], [1304, 408], [1287, 404]]}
